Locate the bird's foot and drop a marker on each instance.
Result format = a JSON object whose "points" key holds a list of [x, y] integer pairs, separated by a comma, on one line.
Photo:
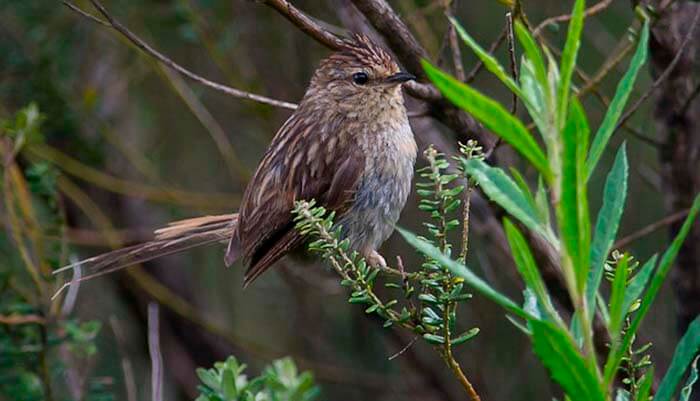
{"points": [[375, 259]]}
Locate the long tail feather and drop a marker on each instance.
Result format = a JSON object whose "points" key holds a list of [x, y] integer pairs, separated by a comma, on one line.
{"points": [[176, 237]]}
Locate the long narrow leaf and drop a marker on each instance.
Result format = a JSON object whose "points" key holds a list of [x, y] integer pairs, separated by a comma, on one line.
{"points": [[489, 61], [463, 271], [617, 105], [645, 385], [525, 263], [494, 116], [558, 353], [572, 210], [686, 350], [505, 192], [568, 59], [614, 195], [617, 351], [617, 296], [532, 51], [638, 283]]}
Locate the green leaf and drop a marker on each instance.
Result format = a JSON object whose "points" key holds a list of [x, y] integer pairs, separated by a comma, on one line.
{"points": [[492, 114], [687, 389], [645, 385], [617, 296], [567, 367], [505, 192], [463, 271], [537, 104], [572, 210], [638, 283], [686, 350], [525, 263], [568, 59], [614, 195], [617, 351], [617, 105], [489, 61], [532, 51]]}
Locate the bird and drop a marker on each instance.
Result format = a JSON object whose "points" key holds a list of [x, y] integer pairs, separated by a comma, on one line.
{"points": [[348, 146]]}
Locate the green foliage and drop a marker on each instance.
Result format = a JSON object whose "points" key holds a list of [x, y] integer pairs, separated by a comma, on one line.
{"points": [[560, 355], [607, 223], [566, 348], [617, 105], [36, 339], [686, 352], [281, 381]]}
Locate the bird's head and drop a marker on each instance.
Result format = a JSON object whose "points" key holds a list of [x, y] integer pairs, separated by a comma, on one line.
{"points": [[361, 74]]}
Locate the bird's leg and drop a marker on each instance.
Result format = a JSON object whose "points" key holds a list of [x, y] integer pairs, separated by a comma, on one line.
{"points": [[375, 259]]}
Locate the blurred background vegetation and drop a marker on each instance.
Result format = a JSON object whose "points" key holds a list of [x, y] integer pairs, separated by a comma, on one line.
{"points": [[114, 144]]}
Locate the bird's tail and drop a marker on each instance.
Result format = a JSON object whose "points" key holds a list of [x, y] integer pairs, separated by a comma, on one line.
{"points": [[178, 236]]}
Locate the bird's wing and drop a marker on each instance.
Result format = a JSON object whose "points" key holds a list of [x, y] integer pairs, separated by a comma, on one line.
{"points": [[306, 160]]}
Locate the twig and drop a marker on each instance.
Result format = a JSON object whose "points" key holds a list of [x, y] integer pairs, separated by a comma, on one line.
{"points": [[480, 65], [127, 368], [404, 349], [145, 47], [465, 221], [513, 63], [154, 352], [623, 242], [454, 43], [664, 75], [12, 320], [305, 23], [595, 9], [688, 102]]}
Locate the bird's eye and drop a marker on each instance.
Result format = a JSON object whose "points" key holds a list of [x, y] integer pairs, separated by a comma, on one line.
{"points": [[360, 78]]}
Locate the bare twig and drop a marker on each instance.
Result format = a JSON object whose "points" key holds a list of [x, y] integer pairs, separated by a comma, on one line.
{"points": [[127, 368], [689, 101], [154, 351], [305, 23], [454, 43], [404, 349], [145, 47], [513, 63], [21, 319], [593, 10], [664, 75], [623, 242], [494, 46]]}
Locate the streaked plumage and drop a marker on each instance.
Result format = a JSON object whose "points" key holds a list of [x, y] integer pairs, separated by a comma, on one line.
{"points": [[348, 146]]}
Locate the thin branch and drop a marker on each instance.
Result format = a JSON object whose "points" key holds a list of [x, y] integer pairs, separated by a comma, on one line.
{"points": [[127, 368], [145, 47], [593, 10], [664, 75], [454, 43], [668, 220], [494, 46], [154, 351], [513, 63], [688, 102], [305, 23]]}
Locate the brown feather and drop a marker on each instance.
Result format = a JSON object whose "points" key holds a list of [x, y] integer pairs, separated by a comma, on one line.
{"points": [[292, 170]]}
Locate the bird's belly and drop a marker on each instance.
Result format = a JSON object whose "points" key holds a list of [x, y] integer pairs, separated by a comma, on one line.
{"points": [[377, 205]]}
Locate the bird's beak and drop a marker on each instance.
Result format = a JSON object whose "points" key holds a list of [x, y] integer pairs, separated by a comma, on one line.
{"points": [[400, 77]]}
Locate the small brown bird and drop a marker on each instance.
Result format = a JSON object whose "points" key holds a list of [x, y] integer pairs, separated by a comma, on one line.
{"points": [[348, 145]]}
